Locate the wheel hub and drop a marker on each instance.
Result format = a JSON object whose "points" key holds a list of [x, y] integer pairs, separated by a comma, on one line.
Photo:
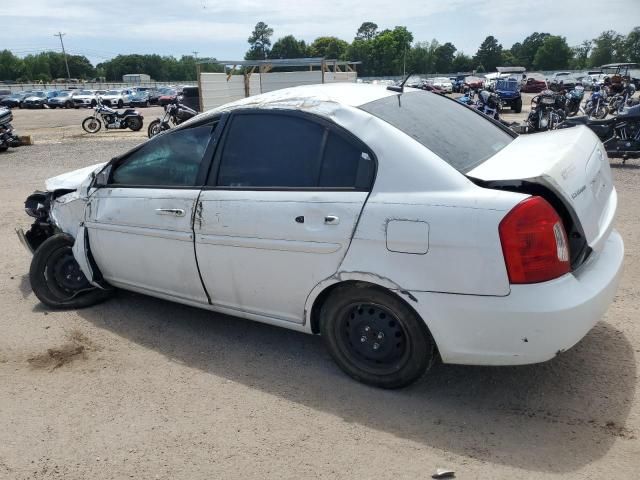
{"points": [[374, 334], [68, 275]]}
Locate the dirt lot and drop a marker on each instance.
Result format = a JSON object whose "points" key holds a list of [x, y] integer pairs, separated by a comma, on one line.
{"points": [[142, 388]]}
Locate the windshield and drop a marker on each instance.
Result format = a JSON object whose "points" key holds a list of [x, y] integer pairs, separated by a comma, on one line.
{"points": [[84, 92], [113, 92], [459, 135], [38, 94]]}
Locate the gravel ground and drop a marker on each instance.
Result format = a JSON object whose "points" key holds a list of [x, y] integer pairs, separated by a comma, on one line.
{"points": [[142, 388]]}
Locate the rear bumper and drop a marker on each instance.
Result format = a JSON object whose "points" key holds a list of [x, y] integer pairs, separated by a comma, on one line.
{"points": [[533, 323]]}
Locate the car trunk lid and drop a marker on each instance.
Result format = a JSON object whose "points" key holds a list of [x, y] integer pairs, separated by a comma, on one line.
{"points": [[572, 164]]}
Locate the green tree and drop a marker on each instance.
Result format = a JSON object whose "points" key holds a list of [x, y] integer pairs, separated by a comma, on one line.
{"points": [[489, 55], [362, 51], [444, 55], [11, 67], [328, 47], [422, 57], [525, 52], [367, 31], [632, 46], [607, 48], [553, 54], [580, 55], [390, 48], [288, 47], [508, 59], [462, 63], [259, 41]]}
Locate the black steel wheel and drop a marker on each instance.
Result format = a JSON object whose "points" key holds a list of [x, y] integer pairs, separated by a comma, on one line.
{"points": [[56, 277], [375, 337]]}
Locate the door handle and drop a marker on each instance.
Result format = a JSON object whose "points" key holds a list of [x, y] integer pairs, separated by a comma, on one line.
{"points": [[331, 220], [176, 212]]}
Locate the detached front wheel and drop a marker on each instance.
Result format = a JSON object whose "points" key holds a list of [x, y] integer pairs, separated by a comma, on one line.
{"points": [[56, 278], [375, 337], [91, 125]]}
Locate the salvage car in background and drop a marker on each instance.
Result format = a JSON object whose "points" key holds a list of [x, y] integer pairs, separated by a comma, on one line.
{"points": [[84, 98], [353, 211], [117, 98], [64, 99], [15, 99]]}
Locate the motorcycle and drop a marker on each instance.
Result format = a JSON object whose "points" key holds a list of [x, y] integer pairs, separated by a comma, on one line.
{"points": [[596, 106], [619, 101], [174, 113], [468, 97], [112, 119], [573, 99], [489, 104], [547, 111], [620, 135], [8, 138]]}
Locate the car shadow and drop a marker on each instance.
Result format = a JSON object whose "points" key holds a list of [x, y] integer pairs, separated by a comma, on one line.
{"points": [[555, 417]]}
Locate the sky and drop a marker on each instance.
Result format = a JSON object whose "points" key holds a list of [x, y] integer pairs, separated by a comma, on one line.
{"points": [[100, 30]]}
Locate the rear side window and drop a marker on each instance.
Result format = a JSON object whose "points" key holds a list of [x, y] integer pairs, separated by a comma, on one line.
{"points": [[278, 150], [462, 138]]}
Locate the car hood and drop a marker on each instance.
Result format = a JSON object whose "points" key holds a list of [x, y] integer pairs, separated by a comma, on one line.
{"points": [[109, 97], [35, 98], [72, 180]]}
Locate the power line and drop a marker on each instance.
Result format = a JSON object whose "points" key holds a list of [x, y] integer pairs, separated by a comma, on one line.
{"points": [[60, 34]]}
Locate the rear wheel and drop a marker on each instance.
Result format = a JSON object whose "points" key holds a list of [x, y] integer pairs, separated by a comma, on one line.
{"points": [[56, 278], [120, 103], [134, 123], [375, 337], [91, 125]]}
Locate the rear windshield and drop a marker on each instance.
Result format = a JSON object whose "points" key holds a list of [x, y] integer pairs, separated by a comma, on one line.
{"points": [[461, 137]]}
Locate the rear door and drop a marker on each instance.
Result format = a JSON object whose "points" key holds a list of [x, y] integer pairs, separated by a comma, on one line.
{"points": [[281, 205]]}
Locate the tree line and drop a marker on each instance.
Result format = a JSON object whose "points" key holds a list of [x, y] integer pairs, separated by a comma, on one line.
{"points": [[382, 52], [391, 52]]}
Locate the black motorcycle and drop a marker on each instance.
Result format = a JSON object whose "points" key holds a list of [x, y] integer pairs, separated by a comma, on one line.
{"points": [[174, 114], [619, 135], [547, 111], [8, 138], [112, 119]]}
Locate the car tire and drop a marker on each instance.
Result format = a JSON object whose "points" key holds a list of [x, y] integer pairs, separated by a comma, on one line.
{"points": [[67, 105], [120, 104], [91, 125], [375, 337], [93, 103], [517, 107], [52, 266]]}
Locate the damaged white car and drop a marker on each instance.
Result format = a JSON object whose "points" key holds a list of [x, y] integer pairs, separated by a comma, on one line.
{"points": [[346, 210]]}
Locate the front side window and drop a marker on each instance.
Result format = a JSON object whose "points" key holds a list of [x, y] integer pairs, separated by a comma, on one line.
{"points": [[172, 159]]}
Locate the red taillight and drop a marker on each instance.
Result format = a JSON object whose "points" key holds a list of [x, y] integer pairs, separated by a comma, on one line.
{"points": [[534, 242]]}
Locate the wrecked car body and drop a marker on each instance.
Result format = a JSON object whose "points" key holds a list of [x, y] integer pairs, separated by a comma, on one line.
{"points": [[344, 210]]}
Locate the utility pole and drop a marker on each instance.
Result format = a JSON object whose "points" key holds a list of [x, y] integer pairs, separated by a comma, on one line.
{"points": [[195, 54], [60, 34]]}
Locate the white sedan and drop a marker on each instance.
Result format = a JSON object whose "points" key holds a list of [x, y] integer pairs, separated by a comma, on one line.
{"points": [[344, 210], [444, 83]]}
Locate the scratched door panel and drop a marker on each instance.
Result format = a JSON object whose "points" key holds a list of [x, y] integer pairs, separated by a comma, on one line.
{"points": [[144, 238], [264, 251]]}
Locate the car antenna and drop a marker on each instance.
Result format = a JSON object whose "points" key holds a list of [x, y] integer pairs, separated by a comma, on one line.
{"points": [[399, 88]]}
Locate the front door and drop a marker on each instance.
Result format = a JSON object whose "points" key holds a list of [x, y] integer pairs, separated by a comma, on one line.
{"points": [[281, 206], [140, 224]]}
